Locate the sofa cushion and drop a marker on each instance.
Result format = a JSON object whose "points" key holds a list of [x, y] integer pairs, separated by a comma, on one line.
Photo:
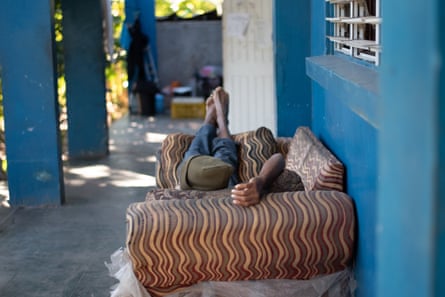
{"points": [[255, 148], [318, 168], [294, 235]]}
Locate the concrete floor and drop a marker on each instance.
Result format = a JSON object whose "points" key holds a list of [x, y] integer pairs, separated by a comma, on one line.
{"points": [[60, 251]]}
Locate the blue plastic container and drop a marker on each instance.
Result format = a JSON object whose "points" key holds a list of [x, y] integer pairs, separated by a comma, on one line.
{"points": [[159, 103]]}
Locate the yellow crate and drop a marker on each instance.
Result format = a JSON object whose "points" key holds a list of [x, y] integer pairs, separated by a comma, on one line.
{"points": [[187, 107]]}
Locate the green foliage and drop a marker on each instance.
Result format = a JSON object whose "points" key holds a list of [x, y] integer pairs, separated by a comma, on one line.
{"points": [[191, 8], [163, 8], [58, 29], [184, 9]]}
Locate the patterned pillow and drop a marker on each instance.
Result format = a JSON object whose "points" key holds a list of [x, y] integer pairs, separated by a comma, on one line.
{"points": [[287, 181], [255, 148], [318, 168]]}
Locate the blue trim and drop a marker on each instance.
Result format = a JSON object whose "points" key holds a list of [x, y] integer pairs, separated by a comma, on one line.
{"points": [[355, 85]]}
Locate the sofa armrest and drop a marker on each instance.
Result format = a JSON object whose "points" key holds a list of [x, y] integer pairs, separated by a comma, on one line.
{"points": [[292, 235]]}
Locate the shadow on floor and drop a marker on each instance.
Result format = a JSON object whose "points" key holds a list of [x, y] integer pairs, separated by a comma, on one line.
{"points": [[60, 251]]}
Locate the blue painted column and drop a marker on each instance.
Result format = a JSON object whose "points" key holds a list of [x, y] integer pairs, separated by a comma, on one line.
{"points": [[411, 201], [27, 65], [84, 58], [292, 46]]}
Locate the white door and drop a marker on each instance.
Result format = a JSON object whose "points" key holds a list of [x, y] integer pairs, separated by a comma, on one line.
{"points": [[249, 64]]}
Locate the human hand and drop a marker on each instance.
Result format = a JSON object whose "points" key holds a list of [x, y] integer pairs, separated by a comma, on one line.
{"points": [[247, 194]]}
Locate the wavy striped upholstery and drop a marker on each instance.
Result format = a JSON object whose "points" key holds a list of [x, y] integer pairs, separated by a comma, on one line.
{"points": [[283, 144], [294, 235], [172, 151], [318, 168], [254, 148]]}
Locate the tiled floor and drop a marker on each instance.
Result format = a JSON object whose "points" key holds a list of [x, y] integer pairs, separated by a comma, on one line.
{"points": [[60, 251]]}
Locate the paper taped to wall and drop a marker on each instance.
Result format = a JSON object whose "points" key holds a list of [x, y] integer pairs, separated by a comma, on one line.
{"points": [[237, 24]]}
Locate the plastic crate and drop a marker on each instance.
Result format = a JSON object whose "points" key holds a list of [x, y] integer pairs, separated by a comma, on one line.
{"points": [[187, 107]]}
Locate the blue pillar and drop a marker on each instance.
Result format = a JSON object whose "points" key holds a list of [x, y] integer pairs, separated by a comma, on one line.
{"points": [[292, 46], [84, 58], [410, 230], [27, 65]]}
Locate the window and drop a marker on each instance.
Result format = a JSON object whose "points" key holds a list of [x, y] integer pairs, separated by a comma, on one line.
{"points": [[355, 28]]}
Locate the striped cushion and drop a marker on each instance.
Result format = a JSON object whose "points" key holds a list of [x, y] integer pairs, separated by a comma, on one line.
{"points": [[318, 167], [283, 144], [172, 151], [255, 147], [294, 235]]}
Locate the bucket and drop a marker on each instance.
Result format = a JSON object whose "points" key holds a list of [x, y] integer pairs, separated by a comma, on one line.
{"points": [[159, 103]]}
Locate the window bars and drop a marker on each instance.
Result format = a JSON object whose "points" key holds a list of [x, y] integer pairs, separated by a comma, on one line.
{"points": [[356, 28]]}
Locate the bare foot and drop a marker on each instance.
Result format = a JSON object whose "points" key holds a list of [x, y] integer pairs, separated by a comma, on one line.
{"points": [[209, 101], [223, 97], [221, 119], [211, 115]]}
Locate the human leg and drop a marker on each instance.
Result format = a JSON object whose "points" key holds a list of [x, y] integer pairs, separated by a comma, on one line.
{"points": [[223, 97], [202, 143], [224, 147]]}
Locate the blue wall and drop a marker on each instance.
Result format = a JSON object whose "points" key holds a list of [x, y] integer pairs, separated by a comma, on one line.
{"points": [[293, 87], [341, 106], [345, 116], [386, 125], [347, 127]]}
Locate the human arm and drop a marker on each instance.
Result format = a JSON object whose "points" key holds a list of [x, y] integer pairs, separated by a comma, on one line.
{"points": [[249, 193]]}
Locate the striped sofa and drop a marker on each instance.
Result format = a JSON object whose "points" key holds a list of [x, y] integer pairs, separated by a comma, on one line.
{"points": [[177, 238]]}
